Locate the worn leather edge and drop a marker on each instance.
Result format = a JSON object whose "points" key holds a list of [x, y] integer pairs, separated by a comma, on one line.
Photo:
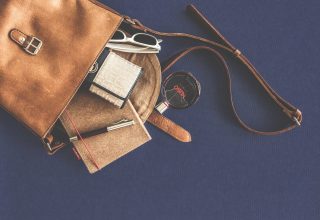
{"points": [[77, 89], [99, 4], [169, 127]]}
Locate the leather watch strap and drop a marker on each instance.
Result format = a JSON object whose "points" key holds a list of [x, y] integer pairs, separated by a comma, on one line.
{"points": [[215, 48], [169, 127]]}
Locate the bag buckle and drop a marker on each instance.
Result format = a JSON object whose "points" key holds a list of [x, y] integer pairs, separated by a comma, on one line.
{"points": [[34, 45], [297, 117], [30, 44], [298, 123]]}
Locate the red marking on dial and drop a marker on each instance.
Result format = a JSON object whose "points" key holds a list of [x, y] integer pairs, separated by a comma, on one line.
{"points": [[180, 91]]}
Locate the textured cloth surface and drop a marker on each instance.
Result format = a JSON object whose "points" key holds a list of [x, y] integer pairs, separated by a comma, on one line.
{"points": [[225, 173], [89, 112]]}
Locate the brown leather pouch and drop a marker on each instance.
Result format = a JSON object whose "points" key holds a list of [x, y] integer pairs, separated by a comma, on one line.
{"points": [[47, 48]]}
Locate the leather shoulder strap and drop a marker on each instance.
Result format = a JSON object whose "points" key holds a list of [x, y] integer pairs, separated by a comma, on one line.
{"points": [[214, 48]]}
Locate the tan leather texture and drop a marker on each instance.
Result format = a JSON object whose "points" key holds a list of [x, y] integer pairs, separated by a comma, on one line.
{"points": [[36, 89], [169, 127]]}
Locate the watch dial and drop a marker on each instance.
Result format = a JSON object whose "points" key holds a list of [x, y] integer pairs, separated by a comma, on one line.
{"points": [[181, 90]]}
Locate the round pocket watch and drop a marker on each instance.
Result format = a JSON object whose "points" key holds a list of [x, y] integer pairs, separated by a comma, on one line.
{"points": [[180, 90]]}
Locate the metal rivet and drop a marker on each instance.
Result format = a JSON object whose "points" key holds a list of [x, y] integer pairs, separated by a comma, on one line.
{"points": [[22, 39], [94, 68]]}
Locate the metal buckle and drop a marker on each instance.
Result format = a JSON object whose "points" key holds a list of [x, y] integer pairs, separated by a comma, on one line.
{"points": [[296, 118], [129, 20], [48, 145], [34, 46], [94, 68], [296, 121]]}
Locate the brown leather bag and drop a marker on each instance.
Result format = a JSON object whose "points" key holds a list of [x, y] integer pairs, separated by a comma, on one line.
{"points": [[47, 48]]}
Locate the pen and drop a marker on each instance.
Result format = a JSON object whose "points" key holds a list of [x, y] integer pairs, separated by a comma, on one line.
{"points": [[118, 125]]}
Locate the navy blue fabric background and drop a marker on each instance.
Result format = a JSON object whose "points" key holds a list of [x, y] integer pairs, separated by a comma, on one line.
{"points": [[226, 172]]}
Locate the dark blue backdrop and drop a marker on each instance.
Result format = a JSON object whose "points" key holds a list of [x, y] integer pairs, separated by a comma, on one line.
{"points": [[226, 173]]}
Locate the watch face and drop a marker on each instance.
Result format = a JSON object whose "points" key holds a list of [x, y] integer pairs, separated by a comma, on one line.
{"points": [[181, 90]]}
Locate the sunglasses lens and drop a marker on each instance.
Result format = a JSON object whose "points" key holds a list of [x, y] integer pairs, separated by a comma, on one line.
{"points": [[146, 39], [118, 36]]}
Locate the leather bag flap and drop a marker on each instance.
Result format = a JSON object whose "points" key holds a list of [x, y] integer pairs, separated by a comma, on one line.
{"points": [[36, 88]]}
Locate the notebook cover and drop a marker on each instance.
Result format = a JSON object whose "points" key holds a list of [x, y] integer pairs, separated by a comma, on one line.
{"points": [[90, 112]]}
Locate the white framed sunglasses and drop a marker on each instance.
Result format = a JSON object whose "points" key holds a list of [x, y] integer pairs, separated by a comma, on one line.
{"points": [[141, 39]]}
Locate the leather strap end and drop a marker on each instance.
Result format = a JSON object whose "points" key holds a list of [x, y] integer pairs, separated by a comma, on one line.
{"points": [[169, 127], [299, 114], [53, 148], [296, 116], [19, 37]]}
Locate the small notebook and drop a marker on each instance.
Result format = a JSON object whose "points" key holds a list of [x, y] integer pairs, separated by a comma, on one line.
{"points": [[89, 112], [115, 78]]}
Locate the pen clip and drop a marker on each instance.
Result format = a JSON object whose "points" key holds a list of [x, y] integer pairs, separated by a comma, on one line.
{"points": [[121, 121], [121, 124]]}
